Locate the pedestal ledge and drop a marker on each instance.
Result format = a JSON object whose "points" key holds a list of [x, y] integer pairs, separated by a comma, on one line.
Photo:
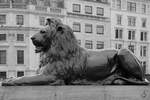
{"points": [[75, 93]]}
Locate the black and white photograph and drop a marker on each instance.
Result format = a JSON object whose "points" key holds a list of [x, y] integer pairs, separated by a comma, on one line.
{"points": [[74, 49]]}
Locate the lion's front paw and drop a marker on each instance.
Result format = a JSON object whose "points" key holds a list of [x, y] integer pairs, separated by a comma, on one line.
{"points": [[8, 82], [118, 82], [106, 82], [58, 82]]}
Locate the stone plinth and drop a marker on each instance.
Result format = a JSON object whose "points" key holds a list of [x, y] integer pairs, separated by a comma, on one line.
{"points": [[75, 93]]}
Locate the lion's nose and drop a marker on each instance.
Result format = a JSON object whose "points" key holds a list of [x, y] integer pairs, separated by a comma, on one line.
{"points": [[32, 38]]}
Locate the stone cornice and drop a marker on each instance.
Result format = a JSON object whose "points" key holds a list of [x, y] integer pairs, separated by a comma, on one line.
{"points": [[25, 11], [18, 28], [96, 1], [90, 17]]}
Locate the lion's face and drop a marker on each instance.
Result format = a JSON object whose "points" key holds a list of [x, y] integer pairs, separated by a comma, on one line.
{"points": [[42, 40]]}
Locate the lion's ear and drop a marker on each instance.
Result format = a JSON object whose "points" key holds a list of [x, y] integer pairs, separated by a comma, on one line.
{"points": [[48, 21], [53, 20]]}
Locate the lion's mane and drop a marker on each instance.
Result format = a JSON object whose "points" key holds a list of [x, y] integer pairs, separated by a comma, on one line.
{"points": [[64, 58]]}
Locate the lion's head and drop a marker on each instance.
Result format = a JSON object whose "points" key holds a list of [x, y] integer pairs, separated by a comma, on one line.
{"points": [[42, 40], [59, 49], [56, 38]]}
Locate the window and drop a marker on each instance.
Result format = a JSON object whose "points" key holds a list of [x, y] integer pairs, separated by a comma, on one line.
{"points": [[88, 9], [76, 27], [20, 73], [76, 8], [3, 1], [79, 42], [118, 46], [88, 44], [143, 51], [41, 3], [132, 48], [144, 20], [2, 19], [42, 21], [113, 3], [143, 8], [20, 37], [143, 36], [131, 6], [20, 57], [20, 19], [100, 45], [2, 56], [100, 29], [118, 33], [131, 21], [119, 19], [2, 37], [100, 11], [131, 34], [118, 4], [144, 66], [18, 1], [102, 1], [3, 75], [88, 28]]}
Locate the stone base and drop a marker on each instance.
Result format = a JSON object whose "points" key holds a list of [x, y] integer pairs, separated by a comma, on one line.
{"points": [[75, 93]]}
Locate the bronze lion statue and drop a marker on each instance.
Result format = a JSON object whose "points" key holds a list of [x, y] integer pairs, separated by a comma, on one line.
{"points": [[64, 62]]}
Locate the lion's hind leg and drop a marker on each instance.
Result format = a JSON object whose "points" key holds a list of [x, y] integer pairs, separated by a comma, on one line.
{"points": [[131, 81], [114, 79], [131, 66]]}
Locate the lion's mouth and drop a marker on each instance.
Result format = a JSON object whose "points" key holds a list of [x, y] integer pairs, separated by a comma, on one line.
{"points": [[38, 49], [38, 46]]}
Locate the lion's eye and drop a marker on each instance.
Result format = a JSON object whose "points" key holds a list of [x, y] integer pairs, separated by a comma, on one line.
{"points": [[42, 31]]}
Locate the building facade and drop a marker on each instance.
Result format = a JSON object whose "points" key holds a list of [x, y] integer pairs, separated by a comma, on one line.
{"points": [[90, 21], [130, 28]]}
